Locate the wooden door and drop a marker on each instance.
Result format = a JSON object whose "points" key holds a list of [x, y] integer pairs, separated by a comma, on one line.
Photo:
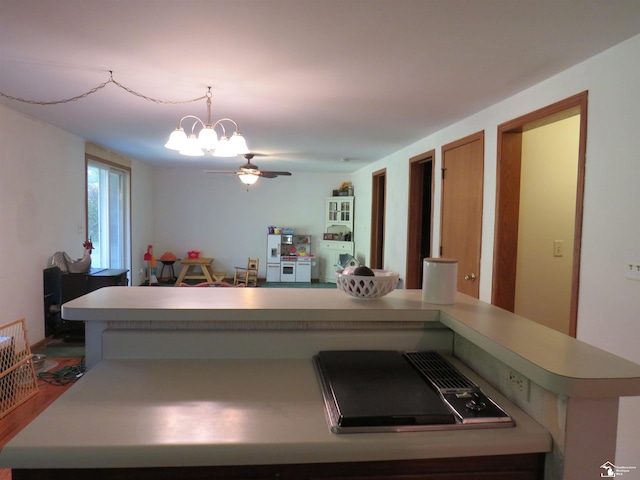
{"points": [[461, 229]]}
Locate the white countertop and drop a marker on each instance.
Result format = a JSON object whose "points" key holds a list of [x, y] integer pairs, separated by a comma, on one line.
{"points": [[237, 304], [266, 407], [143, 413], [555, 361]]}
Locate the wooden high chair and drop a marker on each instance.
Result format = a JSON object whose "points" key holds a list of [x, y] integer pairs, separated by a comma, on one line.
{"points": [[248, 274]]}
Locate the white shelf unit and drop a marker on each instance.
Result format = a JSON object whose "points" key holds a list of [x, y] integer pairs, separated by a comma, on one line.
{"points": [[339, 212], [338, 220]]}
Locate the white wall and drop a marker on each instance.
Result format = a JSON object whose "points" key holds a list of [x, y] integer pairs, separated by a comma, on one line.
{"points": [[609, 304], [142, 221], [216, 215], [609, 309], [42, 210]]}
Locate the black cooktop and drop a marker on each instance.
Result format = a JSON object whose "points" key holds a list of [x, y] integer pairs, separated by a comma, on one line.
{"points": [[387, 390], [377, 388]]}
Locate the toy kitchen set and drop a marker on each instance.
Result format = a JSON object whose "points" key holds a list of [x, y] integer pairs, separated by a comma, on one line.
{"points": [[288, 256]]}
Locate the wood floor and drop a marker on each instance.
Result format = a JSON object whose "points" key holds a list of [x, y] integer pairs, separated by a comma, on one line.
{"points": [[19, 418]]}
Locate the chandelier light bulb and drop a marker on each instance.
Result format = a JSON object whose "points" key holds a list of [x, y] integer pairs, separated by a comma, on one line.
{"points": [[177, 139], [192, 147], [208, 138], [224, 148], [239, 143]]}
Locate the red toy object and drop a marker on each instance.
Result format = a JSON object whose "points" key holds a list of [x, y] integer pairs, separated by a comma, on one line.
{"points": [[88, 245], [168, 257], [149, 257], [193, 254]]}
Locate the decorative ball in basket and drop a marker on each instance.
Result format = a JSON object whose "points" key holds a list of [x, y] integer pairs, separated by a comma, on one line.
{"points": [[366, 286]]}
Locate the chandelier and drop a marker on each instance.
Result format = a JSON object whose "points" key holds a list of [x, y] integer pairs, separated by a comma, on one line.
{"points": [[207, 141]]}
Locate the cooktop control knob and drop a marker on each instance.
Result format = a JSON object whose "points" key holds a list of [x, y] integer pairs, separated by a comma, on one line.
{"points": [[475, 405]]}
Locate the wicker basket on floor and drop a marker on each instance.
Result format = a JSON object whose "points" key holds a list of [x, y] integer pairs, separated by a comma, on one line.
{"points": [[17, 375]]}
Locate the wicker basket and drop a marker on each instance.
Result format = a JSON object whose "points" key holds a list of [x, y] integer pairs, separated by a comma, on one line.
{"points": [[17, 375], [357, 286]]}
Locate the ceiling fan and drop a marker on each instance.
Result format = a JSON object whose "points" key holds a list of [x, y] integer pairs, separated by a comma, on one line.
{"points": [[249, 173]]}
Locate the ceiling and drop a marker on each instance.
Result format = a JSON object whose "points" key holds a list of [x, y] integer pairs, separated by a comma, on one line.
{"points": [[310, 82]]}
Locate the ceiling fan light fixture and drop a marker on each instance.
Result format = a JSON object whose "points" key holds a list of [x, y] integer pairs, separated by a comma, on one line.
{"points": [[177, 139], [248, 178], [192, 147], [249, 173], [208, 138]]}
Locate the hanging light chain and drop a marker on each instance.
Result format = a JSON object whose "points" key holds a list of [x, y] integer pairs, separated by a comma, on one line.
{"points": [[56, 102], [100, 87], [154, 100], [227, 147]]}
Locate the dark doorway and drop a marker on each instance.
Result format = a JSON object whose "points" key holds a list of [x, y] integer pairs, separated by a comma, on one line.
{"points": [[420, 215], [377, 218]]}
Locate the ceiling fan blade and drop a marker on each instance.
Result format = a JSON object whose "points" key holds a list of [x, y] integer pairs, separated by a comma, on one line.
{"points": [[268, 174], [251, 169]]}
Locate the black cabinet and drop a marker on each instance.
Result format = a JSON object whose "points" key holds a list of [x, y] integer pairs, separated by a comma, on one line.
{"points": [[498, 467], [61, 287]]}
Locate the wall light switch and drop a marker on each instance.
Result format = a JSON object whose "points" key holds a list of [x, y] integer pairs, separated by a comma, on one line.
{"points": [[558, 248]]}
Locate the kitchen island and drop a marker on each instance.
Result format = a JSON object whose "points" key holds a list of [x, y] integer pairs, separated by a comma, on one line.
{"points": [[223, 378]]}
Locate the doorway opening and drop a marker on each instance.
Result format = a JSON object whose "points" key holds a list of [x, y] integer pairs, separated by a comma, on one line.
{"points": [[378, 218], [516, 223], [420, 216]]}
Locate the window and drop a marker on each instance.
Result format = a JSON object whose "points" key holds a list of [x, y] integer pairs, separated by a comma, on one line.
{"points": [[108, 214]]}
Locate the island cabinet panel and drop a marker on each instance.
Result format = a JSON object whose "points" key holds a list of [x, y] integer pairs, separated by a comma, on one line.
{"points": [[501, 467]]}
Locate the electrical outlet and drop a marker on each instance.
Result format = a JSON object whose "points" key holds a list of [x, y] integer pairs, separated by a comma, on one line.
{"points": [[520, 385], [632, 270]]}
